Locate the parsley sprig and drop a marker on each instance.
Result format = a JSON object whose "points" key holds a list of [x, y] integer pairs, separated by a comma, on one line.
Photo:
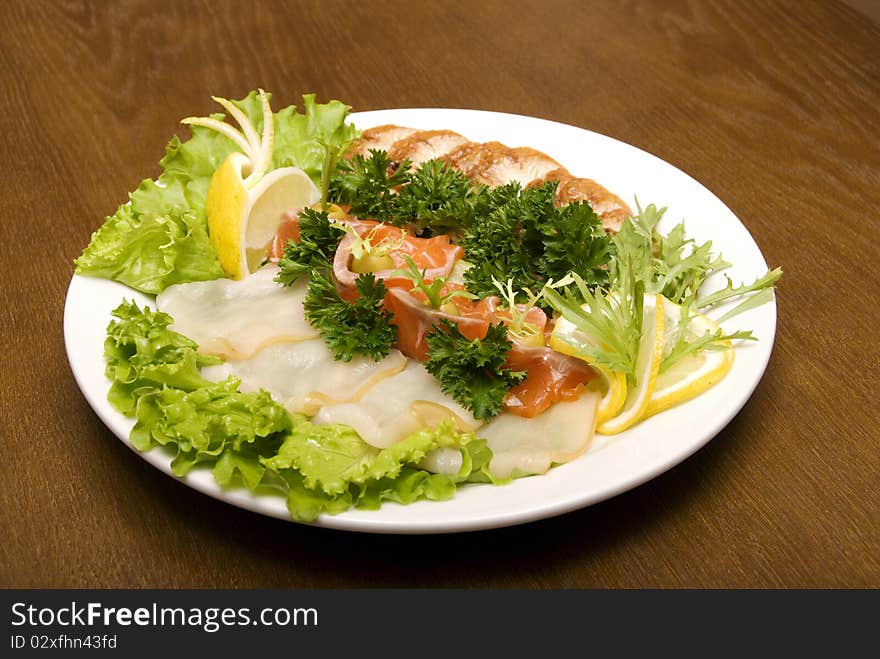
{"points": [[362, 327], [368, 185], [318, 239], [436, 199], [472, 372], [525, 237], [507, 232]]}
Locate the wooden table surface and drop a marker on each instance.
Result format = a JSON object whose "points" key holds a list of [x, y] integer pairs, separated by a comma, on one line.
{"points": [[772, 105]]}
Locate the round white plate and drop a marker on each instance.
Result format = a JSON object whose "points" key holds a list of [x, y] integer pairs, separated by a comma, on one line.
{"points": [[613, 464]]}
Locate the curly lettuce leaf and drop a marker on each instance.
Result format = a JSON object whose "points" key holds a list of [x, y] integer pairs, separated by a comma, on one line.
{"points": [[205, 423], [239, 466], [143, 355], [407, 486], [411, 484], [330, 467], [160, 237], [305, 504], [332, 457], [155, 375], [250, 439]]}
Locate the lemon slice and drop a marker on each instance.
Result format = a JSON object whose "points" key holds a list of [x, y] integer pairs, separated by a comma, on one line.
{"points": [[569, 340], [693, 374], [244, 203], [242, 221], [647, 367], [614, 395]]}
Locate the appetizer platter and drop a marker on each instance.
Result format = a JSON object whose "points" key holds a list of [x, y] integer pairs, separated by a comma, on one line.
{"points": [[415, 321]]}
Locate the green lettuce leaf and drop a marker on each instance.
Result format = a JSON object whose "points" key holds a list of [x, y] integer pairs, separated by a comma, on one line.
{"points": [[242, 466], [160, 237], [207, 423], [335, 469], [407, 486], [143, 355], [304, 504], [148, 252], [249, 439], [301, 140]]}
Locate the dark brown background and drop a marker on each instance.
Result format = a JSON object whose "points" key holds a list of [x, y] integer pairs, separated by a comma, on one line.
{"points": [[772, 105]]}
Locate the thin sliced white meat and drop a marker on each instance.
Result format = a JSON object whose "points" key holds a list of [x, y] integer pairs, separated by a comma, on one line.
{"points": [[235, 319], [532, 165], [608, 206], [531, 446], [425, 145], [396, 407], [442, 460], [493, 164], [466, 158], [303, 376], [497, 165], [380, 138]]}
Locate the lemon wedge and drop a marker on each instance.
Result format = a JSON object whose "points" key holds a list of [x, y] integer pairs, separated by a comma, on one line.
{"points": [[569, 340], [647, 368], [242, 220], [245, 204], [693, 374]]}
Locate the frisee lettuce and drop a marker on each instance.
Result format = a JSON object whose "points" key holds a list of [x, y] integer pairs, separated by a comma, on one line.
{"points": [[646, 261], [683, 344], [433, 291], [160, 236]]}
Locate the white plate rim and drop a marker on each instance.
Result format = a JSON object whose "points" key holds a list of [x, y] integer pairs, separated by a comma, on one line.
{"points": [[425, 517]]}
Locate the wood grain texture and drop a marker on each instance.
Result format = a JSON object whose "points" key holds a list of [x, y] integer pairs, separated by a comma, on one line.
{"points": [[772, 105]]}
